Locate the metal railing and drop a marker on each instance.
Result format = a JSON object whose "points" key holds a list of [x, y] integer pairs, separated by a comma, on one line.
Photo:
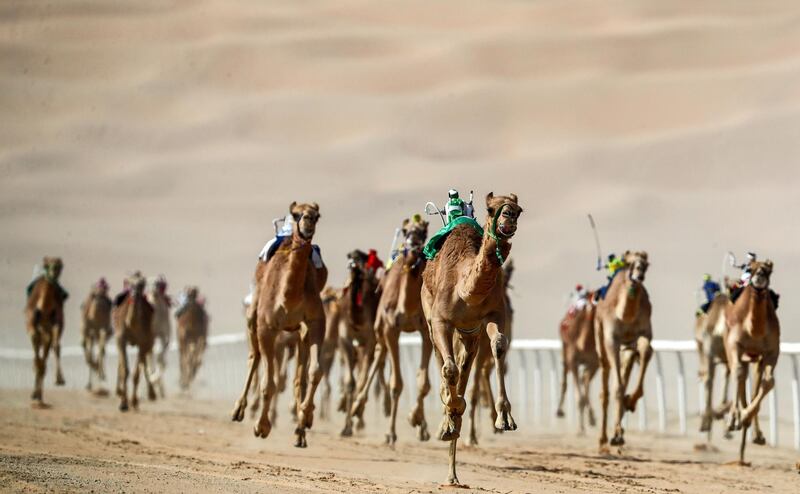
{"points": [[529, 360]]}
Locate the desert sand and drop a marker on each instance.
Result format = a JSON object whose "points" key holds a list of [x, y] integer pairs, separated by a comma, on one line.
{"points": [[165, 136]]}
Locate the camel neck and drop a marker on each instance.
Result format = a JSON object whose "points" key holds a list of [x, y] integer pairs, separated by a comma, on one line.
{"points": [[410, 282], [482, 276], [757, 306], [294, 282], [629, 295]]}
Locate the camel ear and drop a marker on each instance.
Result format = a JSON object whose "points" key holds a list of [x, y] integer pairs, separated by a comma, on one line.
{"points": [[513, 198], [291, 206], [643, 254], [315, 206], [768, 264], [489, 198], [403, 227]]}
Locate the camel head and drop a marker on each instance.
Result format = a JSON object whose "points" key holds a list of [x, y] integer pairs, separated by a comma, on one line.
{"points": [[52, 267], [415, 234], [502, 214], [191, 293], [761, 272], [101, 287], [356, 266], [305, 218], [137, 284], [160, 285], [637, 265]]}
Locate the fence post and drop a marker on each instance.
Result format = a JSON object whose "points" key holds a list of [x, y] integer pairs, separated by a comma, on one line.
{"points": [[553, 386], [660, 393], [523, 385], [537, 388], [796, 401], [773, 417], [681, 394]]}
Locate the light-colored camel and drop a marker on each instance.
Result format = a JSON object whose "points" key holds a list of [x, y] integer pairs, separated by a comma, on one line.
{"points": [[192, 321], [162, 328], [623, 332], [752, 335], [480, 393], [287, 299], [579, 358], [96, 329], [44, 316], [133, 325], [462, 295], [708, 334], [357, 306], [400, 310]]}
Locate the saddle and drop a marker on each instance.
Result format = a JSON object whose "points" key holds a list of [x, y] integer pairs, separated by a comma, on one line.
{"points": [[437, 240]]}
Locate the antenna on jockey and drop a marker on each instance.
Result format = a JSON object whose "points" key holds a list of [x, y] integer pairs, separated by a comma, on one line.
{"points": [[596, 242], [436, 210]]}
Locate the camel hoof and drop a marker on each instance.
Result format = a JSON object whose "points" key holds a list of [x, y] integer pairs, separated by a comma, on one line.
{"points": [[151, 394], [560, 413], [603, 449], [473, 439], [347, 431], [262, 428], [423, 434], [505, 422], [123, 407], [759, 439], [360, 424], [618, 440], [237, 415], [36, 395], [300, 441], [630, 403], [60, 380], [592, 421], [391, 438]]}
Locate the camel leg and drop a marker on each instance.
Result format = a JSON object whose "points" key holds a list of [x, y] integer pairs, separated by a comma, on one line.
{"points": [[605, 370], [613, 351], [485, 388], [454, 405], [300, 383], [101, 354], [39, 365], [312, 340], [87, 343], [255, 394], [392, 341], [377, 362], [253, 359], [326, 362], [137, 368], [645, 353], [739, 371], [417, 416], [58, 329], [122, 374], [348, 385], [725, 403], [364, 363], [383, 384], [588, 374], [474, 401], [499, 345], [466, 357], [708, 385], [580, 399], [565, 367], [763, 383], [149, 374], [266, 347]]}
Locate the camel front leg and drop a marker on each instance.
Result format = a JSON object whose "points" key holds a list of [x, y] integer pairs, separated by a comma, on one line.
{"points": [[58, 329], [102, 336], [588, 374], [137, 367], [708, 385], [392, 341], [266, 348], [645, 353], [312, 339], [417, 416], [253, 359], [122, 373], [763, 382], [739, 371], [499, 345], [454, 405], [348, 385], [363, 393], [87, 344], [565, 364], [474, 402], [613, 352], [39, 365], [466, 357]]}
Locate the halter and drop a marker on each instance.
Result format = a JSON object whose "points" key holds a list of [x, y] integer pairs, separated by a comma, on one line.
{"points": [[495, 237]]}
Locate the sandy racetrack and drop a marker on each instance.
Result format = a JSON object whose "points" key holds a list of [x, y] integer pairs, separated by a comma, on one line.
{"points": [[83, 444]]}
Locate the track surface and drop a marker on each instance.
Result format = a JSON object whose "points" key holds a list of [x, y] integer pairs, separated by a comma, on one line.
{"points": [[83, 444]]}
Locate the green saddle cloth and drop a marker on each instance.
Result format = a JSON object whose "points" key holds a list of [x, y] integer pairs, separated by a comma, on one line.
{"points": [[435, 243]]}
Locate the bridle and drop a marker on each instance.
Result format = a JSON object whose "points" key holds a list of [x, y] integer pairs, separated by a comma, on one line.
{"points": [[493, 228]]}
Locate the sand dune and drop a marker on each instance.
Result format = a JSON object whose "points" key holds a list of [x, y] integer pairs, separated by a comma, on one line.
{"points": [[164, 136]]}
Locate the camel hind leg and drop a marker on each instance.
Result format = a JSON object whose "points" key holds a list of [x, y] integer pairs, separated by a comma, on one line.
{"points": [[41, 348], [417, 416], [122, 374], [266, 347], [58, 329], [311, 339], [499, 346], [87, 343], [253, 360], [565, 368]]}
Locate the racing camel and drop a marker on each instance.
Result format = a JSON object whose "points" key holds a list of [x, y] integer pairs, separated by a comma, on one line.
{"points": [[192, 332], [623, 333], [96, 329], [752, 335], [287, 298], [463, 294], [44, 316], [162, 327], [133, 325], [400, 310]]}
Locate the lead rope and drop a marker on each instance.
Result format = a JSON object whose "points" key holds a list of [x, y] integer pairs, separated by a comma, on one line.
{"points": [[495, 237]]}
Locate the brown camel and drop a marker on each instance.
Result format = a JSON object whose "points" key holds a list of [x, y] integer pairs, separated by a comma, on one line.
{"points": [[579, 358], [752, 335], [330, 297], [96, 329], [44, 315], [357, 307], [462, 295], [162, 328], [709, 331], [622, 333], [192, 321], [481, 391], [287, 299], [133, 325], [400, 310]]}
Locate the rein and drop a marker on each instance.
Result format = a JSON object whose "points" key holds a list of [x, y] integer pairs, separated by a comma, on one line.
{"points": [[496, 239]]}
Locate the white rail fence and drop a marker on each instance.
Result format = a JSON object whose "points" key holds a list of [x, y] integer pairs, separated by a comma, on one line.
{"points": [[534, 364]]}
